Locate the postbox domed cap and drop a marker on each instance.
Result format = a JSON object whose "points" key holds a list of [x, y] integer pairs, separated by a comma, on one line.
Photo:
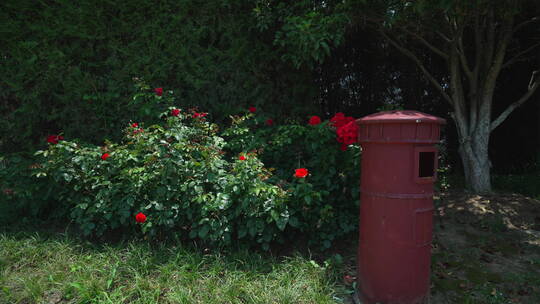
{"points": [[400, 116]]}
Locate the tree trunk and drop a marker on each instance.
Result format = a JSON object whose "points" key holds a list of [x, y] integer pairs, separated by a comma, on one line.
{"points": [[538, 130], [476, 164]]}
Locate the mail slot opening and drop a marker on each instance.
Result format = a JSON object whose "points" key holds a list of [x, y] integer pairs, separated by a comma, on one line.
{"points": [[426, 164]]}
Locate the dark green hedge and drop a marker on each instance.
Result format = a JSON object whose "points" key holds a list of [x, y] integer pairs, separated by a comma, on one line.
{"points": [[67, 66]]}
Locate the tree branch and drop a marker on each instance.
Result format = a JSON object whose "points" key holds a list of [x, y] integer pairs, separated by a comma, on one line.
{"points": [[463, 56], [419, 63], [524, 23], [443, 36], [490, 27], [498, 55], [479, 43], [534, 83], [430, 46], [456, 89], [515, 58], [473, 79]]}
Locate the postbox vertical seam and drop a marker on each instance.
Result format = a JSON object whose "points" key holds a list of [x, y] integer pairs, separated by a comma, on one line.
{"points": [[435, 164], [367, 131], [416, 164]]}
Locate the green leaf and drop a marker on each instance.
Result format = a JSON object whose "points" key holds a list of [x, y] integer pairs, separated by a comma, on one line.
{"points": [[252, 230], [326, 244], [242, 232], [282, 223], [293, 221], [203, 231]]}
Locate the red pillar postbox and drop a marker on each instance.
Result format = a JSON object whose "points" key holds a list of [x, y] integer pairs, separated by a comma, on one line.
{"points": [[399, 167]]}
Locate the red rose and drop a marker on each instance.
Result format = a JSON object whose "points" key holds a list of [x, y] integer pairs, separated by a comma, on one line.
{"points": [[347, 134], [339, 120], [104, 156], [199, 115], [140, 217], [269, 122], [175, 112], [54, 139], [314, 120], [137, 131], [242, 157], [301, 172], [159, 91], [252, 109], [134, 125]]}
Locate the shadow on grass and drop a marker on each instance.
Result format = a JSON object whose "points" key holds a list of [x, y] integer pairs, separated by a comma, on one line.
{"points": [[486, 249]]}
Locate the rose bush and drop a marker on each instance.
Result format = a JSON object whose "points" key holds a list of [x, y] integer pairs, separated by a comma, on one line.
{"points": [[177, 176], [257, 180], [322, 180]]}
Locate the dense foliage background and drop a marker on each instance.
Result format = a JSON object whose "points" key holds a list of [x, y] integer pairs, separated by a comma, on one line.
{"points": [[69, 66], [73, 68]]}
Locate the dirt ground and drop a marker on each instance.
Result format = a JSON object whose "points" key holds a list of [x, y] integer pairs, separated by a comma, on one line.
{"points": [[486, 249]]}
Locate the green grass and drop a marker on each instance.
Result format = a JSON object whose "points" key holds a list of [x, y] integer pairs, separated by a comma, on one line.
{"points": [[37, 269]]}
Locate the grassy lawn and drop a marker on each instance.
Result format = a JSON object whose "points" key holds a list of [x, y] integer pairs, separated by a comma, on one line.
{"points": [[38, 269], [486, 250]]}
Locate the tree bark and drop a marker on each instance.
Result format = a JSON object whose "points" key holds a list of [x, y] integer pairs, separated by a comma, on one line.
{"points": [[476, 163]]}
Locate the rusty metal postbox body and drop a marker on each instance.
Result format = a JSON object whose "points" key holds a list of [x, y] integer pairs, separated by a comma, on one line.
{"points": [[399, 167]]}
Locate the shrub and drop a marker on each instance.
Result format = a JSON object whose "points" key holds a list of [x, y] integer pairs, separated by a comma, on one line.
{"points": [[177, 175], [325, 204], [22, 197], [258, 181]]}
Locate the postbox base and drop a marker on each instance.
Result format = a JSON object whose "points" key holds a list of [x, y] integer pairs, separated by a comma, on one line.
{"points": [[357, 298]]}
